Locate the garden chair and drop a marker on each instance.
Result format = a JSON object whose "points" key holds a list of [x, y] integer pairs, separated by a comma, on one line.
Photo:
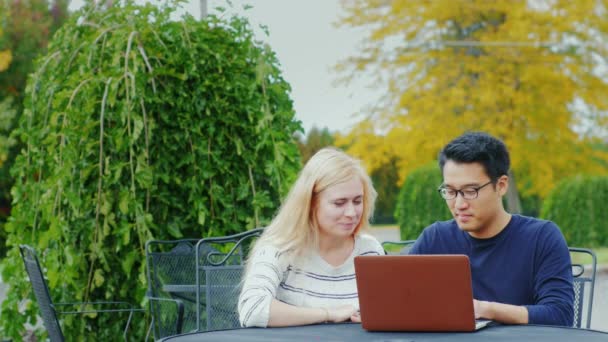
{"points": [[171, 274], [584, 284], [389, 246], [49, 310], [220, 265]]}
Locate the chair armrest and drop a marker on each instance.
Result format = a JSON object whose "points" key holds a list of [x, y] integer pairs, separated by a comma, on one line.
{"points": [[179, 309], [130, 310], [129, 307]]}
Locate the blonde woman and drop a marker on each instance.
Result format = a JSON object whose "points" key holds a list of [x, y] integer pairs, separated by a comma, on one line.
{"points": [[301, 270]]}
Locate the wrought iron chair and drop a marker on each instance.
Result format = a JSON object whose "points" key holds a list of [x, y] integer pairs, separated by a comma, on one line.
{"points": [[389, 246], [49, 310], [220, 265], [584, 284], [172, 291]]}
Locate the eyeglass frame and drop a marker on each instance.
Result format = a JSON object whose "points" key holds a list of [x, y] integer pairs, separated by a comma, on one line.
{"points": [[459, 191]]}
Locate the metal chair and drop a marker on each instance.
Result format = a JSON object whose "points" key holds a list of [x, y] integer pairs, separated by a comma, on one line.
{"points": [[220, 265], [172, 291], [584, 283], [49, 310], [405, 246]]}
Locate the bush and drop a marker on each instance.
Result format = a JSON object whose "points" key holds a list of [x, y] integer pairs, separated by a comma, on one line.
{"points": [[419, 204], [577, 206], [136, 127]]}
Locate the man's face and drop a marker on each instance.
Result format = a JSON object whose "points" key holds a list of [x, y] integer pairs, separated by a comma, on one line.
{"points": [[479, 215]]}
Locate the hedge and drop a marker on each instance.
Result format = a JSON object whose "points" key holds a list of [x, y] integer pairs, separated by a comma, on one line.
{"points": [[419, 203], [578, 206]]}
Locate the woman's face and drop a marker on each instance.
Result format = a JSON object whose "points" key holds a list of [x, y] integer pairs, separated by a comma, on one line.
{"points": [[339, 208]]}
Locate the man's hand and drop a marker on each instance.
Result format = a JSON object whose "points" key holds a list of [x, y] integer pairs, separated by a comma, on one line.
{"points": [[477, 307], [499, 312]]}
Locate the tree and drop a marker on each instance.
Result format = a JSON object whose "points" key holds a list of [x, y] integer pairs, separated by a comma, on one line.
{"points": [[138, 126], [528, 72], [315, 140], [26, 27]]}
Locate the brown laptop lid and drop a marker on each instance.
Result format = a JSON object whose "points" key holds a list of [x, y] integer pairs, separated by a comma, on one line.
{"points": [[415, 292]]}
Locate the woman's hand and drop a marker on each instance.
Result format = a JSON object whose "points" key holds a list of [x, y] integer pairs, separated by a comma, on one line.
{"points": [[343, 313]]}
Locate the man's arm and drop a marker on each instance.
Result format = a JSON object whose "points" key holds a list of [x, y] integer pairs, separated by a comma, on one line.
{"points": [[421, 246], [553, 290]]}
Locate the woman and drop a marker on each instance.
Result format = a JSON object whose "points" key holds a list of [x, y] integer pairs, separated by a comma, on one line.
{"points": [[301, 270]]}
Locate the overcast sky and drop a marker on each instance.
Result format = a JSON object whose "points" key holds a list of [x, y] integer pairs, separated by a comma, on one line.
{"points": [[308, 46]]}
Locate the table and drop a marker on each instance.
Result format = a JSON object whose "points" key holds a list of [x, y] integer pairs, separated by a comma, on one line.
{"points": [[354, 332]]}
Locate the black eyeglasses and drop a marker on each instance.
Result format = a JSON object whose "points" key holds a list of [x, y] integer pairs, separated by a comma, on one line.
{"points": [[467, 193]]}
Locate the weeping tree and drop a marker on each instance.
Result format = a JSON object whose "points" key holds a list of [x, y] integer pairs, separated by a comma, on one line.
{"points": [[137, 126]]}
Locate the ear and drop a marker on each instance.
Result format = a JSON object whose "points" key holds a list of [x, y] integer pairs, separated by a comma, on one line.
{"points": [[502, 185]]}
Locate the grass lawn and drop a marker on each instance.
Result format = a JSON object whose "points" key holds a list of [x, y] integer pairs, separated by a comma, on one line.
{"points": [[602, 255], [600, 252], [395, 226]]}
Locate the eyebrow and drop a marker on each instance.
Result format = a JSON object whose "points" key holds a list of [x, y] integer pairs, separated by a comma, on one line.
{"points": [[468, 185], [347, 198]]}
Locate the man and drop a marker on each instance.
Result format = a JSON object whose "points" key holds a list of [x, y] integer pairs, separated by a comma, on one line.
{"points": [[520, 266]]}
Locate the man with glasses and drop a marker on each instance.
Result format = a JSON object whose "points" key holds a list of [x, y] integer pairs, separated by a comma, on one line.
{"points": [[520, 266]]}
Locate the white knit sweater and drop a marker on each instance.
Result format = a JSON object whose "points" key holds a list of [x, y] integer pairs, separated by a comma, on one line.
{"points": [[306, 281]]}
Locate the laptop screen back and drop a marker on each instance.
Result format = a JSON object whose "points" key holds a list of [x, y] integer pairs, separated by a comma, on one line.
{"points": [[415, 292]]}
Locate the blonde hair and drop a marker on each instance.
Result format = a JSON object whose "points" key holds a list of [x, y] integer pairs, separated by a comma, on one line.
{"points": [[295, 229]]}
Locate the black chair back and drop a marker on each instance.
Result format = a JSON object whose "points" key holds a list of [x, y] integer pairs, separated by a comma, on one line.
{"points": [[403, 246], [584, 268], [42, 293], [220, 266], [172, 291]]}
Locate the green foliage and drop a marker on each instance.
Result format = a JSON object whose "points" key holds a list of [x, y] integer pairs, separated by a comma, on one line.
{"points": [[25, 30], [7, 113], [577, 206], [136, 127], [419, 204], [315, 140], [385, 180]]}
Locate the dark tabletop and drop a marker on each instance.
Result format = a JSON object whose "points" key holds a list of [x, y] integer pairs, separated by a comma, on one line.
{"points": [[354, 332]]}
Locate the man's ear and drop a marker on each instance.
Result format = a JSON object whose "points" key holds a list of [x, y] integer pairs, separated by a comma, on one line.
{"points": [[502, 184]]}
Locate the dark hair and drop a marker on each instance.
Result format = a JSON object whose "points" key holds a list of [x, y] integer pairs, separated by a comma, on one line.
{"points": [[478, 147]]}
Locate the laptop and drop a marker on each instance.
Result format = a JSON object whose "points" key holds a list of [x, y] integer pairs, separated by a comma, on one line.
{"points": [[416, 293]]}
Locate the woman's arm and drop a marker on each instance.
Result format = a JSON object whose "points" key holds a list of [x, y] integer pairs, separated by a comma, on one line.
{"points": [[283, 315], [259, 307], [263, 276]]}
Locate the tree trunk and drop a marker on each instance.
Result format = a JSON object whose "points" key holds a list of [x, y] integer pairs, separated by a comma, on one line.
{"points": [[513, 201]]}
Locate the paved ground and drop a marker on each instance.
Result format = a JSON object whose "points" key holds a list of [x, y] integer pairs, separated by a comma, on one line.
{"points": [[599, 315]]}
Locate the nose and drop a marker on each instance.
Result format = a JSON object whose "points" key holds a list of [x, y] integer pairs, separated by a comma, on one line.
{"points": [[460, 202], [350, 210]]}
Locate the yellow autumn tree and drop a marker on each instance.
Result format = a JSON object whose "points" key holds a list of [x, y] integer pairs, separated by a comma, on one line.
{"points": [[533, 73], [5, 55], [5, 114]]}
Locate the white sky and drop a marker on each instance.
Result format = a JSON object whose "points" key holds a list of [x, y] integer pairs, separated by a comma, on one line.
{"points": [[308, 46]]}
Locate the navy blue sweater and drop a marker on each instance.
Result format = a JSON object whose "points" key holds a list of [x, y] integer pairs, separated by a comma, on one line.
{"points": [[527, 263]]}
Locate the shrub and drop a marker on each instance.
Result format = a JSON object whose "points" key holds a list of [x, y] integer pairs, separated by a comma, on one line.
{"points": [[577, 206], [136, 127], [419, 204]]}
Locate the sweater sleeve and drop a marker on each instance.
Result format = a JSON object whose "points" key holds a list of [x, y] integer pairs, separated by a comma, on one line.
{"points": [[260, 286], [423, 242], [554, 294]]}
